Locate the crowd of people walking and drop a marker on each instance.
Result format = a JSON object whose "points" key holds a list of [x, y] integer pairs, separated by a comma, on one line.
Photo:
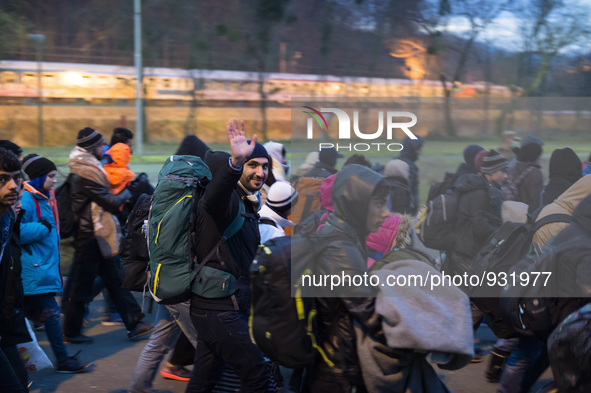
{"points": [[363, 214]]}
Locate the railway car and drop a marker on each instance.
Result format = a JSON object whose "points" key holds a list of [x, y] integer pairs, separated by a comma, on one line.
{"points": [[107, 84]]}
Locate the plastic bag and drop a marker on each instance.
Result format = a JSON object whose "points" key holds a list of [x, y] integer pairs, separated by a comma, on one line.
{"points": [[31, 353]]}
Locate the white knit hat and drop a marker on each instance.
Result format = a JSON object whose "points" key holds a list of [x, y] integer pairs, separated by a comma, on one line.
{"points": [[396, 168], [281, 194]]}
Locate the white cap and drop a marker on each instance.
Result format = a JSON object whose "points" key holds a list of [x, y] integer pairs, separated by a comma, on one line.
{"points": [[281, 194]]}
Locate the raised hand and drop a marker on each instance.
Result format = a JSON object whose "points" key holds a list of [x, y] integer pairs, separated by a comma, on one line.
{"points": [[238, 142]]}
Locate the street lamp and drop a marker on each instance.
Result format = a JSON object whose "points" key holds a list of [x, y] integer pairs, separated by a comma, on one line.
{"points": [[39, 40]]}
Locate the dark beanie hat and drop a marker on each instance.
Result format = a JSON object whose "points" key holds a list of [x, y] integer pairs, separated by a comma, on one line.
{"points": [[36, 166], [13, 147], [329, 156], [530, 152], [470, 153], [258, 152], [88, 138], [493, 162]]}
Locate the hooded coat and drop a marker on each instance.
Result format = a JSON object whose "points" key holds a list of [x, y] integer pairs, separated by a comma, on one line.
{"points": [[40, 256], [479, 215], [394, 233], [117, 171], [564, 204], [565, 170], [410, 154], [343, 237]]}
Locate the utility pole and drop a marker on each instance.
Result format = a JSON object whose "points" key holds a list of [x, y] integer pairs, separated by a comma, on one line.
{"points": [[137, 57]]}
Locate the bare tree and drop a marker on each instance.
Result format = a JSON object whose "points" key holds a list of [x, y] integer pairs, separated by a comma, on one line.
{"points": [[472, 17], [548, 27]]}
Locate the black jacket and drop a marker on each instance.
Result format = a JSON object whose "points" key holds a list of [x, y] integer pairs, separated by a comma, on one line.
{"points": [[409, 155], [321, 170], [84, 191], [479, 215], [217, 208], [343, 238], [400, 198], [565, 170], [12, 319]]}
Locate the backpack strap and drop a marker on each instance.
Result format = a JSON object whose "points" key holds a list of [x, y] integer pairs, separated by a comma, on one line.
{"points": [[517, 180], [37, 206], [237, 222], [268, 221], [308, 205], [557, 217]]}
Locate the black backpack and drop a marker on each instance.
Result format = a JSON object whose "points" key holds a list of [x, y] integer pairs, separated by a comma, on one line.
{"points": [[530, 309], [437, 226], [311, 223], [284, 326], [68, 220], [510, 243], [133, 249]]}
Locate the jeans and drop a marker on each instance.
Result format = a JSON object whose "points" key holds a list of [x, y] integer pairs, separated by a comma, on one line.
{"points": [[183, 353], [223, 337], [170, 321], [88, 263], [506, 344], [527, 362], [46, 307], [13, 375]]}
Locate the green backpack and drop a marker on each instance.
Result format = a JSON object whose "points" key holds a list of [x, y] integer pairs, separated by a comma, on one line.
{"points": [[175, 271]]}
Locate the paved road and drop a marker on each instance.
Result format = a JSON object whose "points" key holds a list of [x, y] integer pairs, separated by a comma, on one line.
{"points": [[114, 358]]}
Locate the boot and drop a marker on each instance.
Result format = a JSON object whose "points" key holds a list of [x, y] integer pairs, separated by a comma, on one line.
{"points": [[496, 364]]}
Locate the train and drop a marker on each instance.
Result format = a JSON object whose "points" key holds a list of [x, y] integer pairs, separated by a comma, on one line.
{"points": [[111, 84]]}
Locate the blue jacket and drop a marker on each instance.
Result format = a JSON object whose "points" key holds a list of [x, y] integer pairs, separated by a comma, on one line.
{"points": [[40, 255]]}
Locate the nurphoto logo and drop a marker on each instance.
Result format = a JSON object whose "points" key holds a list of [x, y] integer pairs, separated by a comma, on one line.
{"points": [[344, 121]]}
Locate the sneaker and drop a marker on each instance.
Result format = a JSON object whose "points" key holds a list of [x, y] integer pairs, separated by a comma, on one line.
{"points": [[178, 373], [79, 339], [112, 320], [140, 330], [71, 365]]}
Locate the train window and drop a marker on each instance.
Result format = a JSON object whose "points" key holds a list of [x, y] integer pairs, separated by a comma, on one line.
{"points": [[48, 79], [103, 80], [29, 78], [166, 83], [9, 77], [122, 82]]}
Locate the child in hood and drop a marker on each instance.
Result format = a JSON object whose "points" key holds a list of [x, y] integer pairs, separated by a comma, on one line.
{"points": [[117, 169]]}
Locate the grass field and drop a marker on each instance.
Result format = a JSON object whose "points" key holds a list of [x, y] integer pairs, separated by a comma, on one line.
{"points": [[437, 158]]}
